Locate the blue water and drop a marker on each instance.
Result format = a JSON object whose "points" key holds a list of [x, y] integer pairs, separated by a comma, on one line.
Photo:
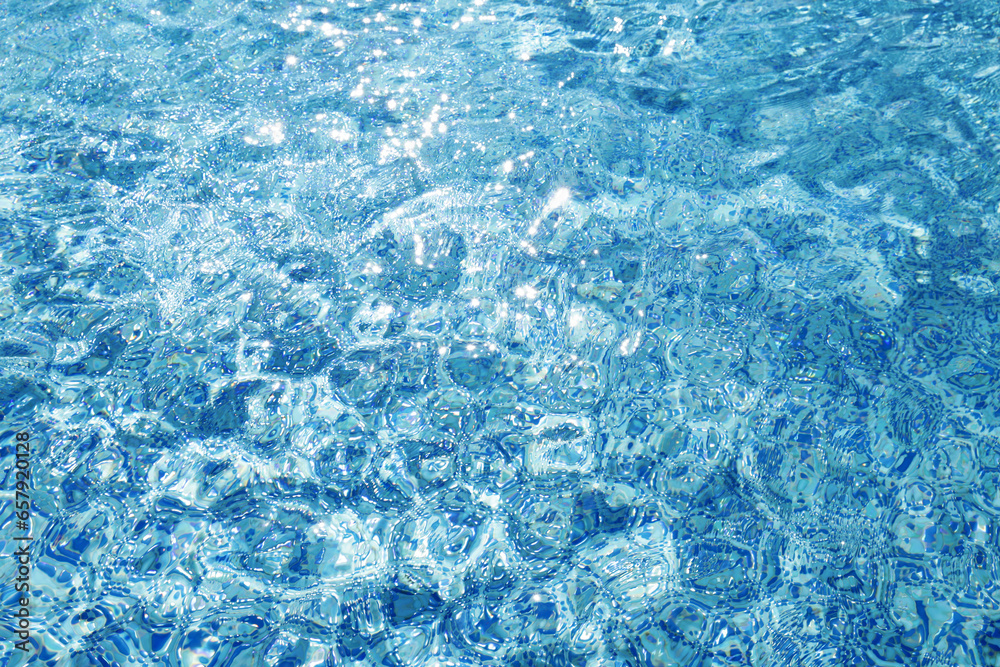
{"points": [[522, 333]]}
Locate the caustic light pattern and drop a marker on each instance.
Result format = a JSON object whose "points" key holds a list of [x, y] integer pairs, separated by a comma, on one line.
{"points": [[504, 333]]}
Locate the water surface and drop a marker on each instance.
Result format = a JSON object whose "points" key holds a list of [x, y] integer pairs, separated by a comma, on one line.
{"points": [[582, 333]]}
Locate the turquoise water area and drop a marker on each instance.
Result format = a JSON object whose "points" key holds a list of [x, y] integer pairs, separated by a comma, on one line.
{"points": [[515, 333]]}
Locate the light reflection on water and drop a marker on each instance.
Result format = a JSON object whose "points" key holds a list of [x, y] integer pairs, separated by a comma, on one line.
{"points": [[552, 333]]}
